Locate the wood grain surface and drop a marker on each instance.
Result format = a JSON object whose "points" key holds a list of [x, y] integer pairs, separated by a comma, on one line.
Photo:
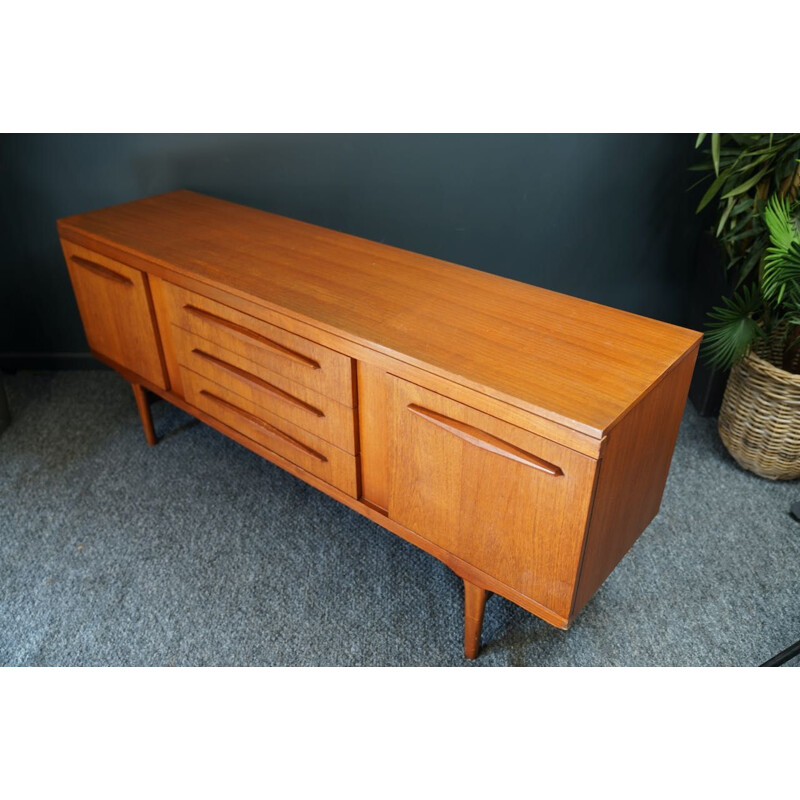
{"points": [[332, 464], [254, 381], [633, 473], [300, 360], [505, 516], [116, 311], [568, 360], [374, 423]]}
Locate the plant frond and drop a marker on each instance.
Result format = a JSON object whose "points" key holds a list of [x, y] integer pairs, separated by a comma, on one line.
{"points": [[781, 272], [778, 219], [748, 184], [731, 331]]}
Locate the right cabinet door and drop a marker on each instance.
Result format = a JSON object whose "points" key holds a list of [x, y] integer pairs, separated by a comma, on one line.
{"points": [[506, 501]]}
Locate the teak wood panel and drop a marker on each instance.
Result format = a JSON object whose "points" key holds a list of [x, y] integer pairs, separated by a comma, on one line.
{"points": [[333, 465], [508, 502], [340, 342], [116, 311], [571, 361], [165, 328], [301, 360], [294, 402], [374, 422], [632, 477]]}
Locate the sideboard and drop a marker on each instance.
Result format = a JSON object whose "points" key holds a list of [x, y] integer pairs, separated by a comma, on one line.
{"points": [[521, 436]]}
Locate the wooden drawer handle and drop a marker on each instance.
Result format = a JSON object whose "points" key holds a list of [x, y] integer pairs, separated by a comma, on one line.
{"points": [[485, 440], [256, 337], [257, 382], [99, 269], [265, 426]]}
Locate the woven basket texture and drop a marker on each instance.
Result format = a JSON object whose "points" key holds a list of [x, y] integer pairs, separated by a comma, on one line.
{"points": [[759, 421]]}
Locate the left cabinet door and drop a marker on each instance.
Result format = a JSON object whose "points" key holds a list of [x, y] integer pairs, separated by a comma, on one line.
{"points": [[117, 312]]}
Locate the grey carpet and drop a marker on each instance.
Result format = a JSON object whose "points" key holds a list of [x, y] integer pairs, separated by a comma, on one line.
{"points": [[198, 552]]}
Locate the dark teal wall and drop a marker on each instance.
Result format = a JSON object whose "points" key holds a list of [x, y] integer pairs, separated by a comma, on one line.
{"points": [[604, 217]]}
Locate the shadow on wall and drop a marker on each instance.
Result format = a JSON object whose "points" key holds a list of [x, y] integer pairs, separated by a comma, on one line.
{"points": [[604, 217]]}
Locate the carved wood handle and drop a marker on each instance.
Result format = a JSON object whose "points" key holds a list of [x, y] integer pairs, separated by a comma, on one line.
{"points": [[265, 426], [259, 383], [256, 337], [485, 440], [101, 270]]}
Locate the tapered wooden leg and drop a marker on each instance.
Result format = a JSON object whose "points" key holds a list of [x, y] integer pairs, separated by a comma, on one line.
{"points": [[474, 604], [142, 403]]}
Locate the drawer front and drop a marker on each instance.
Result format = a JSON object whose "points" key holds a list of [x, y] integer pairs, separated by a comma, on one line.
{"points": [[116, 311], [506, 501], [321, 458], [331, 421], [300, 360]]}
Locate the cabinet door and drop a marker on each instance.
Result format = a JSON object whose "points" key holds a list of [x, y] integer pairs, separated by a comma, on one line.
{"points": [[506, 501], [116, 310]]}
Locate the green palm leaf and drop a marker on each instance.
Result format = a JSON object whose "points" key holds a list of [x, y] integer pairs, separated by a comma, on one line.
{"points": [[778, 219], [782, 260], [732, 330]]}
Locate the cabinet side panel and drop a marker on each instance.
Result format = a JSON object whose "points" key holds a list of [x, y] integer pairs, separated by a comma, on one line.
{"points": [[373, 425], [633, 473]]}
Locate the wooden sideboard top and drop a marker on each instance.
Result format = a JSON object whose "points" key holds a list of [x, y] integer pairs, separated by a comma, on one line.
{"points": [[569, 360]]}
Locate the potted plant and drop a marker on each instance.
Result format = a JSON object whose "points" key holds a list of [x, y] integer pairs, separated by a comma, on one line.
{"points": [[756, 334], [739, 173], [745, 169]]}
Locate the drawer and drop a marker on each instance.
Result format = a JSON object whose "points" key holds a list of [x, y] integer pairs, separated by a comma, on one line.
{"points": [[300, 360], [507, 501], [331, 421], [320, 458], [116, 311]]}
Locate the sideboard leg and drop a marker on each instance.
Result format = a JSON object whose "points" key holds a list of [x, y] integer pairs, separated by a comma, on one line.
{"points": [[142, 403], [474, 604]]}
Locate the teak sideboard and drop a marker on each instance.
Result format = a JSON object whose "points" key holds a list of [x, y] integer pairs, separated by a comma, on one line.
{"points": [[521, 436]]}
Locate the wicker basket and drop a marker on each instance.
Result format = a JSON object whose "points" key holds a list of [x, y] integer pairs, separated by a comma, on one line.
{"points": [[759, 421]]}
